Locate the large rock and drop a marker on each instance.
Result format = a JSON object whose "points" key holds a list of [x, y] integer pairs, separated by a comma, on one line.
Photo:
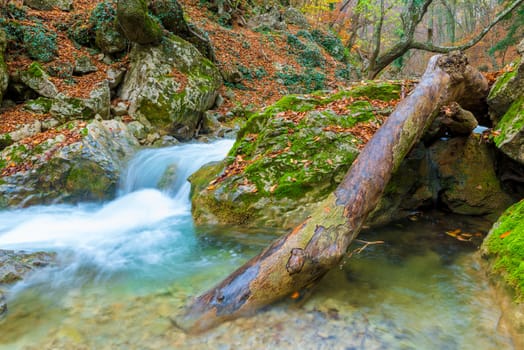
{"points": [[80, 164], [64, 108], [503, 252], [4, 75], [508, 88], [510, 131], [467, 180], [36, 78], [506, 107], [136, 23], [170, 86], [286, 159]]}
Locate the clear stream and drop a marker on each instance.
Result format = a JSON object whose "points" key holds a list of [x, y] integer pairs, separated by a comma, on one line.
{"points": [[126, 267]]}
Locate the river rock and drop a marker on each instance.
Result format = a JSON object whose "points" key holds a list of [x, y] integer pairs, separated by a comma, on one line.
{"points": [[15, 265], [467, 180], [286, 160], [170, 86], [502, 253], [4, 74], [64, 171]]}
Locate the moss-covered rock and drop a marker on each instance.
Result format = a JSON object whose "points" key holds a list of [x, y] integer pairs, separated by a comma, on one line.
{"points": [[467, 180], [65, 108], [510, 131], [136, 23], [503, 250], [508, 88], [286, 159], [64, 171], [170, 86], [37, 79]]}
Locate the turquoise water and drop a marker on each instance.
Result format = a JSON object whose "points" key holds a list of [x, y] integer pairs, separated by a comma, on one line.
{"points": [[127, 267]]}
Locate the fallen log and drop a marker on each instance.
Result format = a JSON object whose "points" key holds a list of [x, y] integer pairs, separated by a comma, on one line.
{"points": [[297, 260]]}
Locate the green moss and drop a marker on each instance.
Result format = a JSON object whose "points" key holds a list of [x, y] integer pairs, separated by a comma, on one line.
{"points": [[503, 80], [506, 243], [511, 122], [88, 180], [288, 162], [40, 105], [36, 70]]}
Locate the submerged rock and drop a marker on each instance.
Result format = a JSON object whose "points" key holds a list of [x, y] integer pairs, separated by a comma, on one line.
{"points": [[15, 265], [170, 86]]}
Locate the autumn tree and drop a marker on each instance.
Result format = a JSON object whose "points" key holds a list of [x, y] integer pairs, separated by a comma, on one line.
{"points": [[383, 31]]}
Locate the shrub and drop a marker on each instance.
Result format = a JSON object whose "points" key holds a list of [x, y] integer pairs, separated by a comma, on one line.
{"points": [[308, 81], [330, 43], [103, 14], [39, 43]]}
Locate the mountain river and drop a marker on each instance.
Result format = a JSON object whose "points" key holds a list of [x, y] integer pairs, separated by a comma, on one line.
{"points": [[126, 267]]}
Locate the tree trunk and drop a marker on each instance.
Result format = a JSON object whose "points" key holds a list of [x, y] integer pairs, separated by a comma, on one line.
{"points": [[299, 259]]}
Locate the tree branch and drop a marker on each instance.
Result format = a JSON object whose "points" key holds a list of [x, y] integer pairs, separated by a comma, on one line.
{"points": [[445, 49]]}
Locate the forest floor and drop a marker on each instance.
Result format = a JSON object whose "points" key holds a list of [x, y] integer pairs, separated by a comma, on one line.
{"points": [[259, 55]]}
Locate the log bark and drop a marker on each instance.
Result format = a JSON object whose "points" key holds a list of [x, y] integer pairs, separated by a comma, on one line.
{"points": [[297, 260]]}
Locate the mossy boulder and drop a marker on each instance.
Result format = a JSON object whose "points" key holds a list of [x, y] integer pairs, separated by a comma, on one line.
{"points": [[510, 131], [467, 180], [65, 108], [503, 250], [36, 78], [137, 24], [83, 163], [508, 88], [170, 86], [287, 158]]}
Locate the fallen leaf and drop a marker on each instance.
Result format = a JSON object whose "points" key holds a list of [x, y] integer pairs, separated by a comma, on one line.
{"points": [[505, 234]]}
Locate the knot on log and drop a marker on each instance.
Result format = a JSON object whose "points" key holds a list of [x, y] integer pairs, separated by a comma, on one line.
{"points": [[454, 64], [296, 261]]}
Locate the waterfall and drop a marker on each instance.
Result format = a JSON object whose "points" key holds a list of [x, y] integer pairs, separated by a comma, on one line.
{"points": [[143, 227]]}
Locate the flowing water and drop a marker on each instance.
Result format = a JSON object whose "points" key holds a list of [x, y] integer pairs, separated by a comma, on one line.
{"points": [[126, 267]]}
